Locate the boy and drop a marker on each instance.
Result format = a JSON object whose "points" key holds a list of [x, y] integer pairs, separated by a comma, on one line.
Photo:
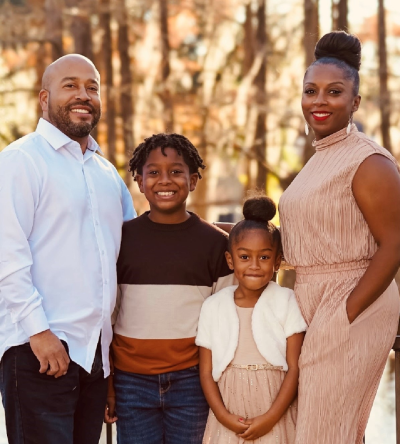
{"points": [[170, 261]]}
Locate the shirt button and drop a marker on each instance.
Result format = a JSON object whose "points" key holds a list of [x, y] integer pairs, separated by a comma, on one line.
{"points": [[96, 222], [102, 252], [106, 282]]}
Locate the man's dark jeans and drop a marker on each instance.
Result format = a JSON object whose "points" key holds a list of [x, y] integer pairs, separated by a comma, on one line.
{"points": [[41, 409], [169, 408]]}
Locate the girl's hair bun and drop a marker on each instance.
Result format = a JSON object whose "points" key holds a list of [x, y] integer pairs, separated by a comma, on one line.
{"points": [[340, 45], [259, 207]]}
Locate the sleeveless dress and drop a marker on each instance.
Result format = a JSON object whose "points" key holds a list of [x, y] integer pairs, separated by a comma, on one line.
{"points": [[327, 239], [250, 393]]}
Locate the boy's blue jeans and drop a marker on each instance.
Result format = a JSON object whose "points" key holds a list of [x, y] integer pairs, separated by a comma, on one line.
{"points": [[169, 408]]}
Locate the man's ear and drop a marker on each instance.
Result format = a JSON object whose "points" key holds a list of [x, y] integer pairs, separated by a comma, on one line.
{"points": [[229, 260], [44, 100], [193, 181], [139, 180]]}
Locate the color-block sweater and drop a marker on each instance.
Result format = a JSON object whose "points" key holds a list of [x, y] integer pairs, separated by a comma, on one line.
{"points": [[165, 272]]}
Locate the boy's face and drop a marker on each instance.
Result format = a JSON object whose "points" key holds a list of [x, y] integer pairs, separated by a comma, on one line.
{"points": [[166, 183]]}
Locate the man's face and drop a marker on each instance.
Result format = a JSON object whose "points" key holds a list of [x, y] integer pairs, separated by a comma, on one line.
{"points": [[72, 102]]}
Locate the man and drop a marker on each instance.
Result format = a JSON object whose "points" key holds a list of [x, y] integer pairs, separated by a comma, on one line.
{"points": [[61, 211]]}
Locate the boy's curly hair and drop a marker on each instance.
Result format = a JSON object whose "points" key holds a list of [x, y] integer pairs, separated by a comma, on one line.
{"points": [[180, 143]]}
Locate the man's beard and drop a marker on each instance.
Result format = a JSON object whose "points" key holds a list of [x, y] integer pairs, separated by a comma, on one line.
{"points": [[60, 118]]}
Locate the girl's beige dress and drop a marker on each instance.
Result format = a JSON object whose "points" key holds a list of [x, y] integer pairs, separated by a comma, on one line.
{"points": [[327, 239], [250, 393]]}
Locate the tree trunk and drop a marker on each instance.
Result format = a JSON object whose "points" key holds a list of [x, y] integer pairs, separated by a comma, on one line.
{"points": [[248, 41], [311, 36], [165, 68], [54, 27], [339, 15], [105, 22], [126, 99], [40, 67], [260, 139], [81, 28], [384, 102]]}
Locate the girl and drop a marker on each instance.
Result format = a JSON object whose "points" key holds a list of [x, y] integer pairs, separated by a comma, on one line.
{"points": [[250, 338]]}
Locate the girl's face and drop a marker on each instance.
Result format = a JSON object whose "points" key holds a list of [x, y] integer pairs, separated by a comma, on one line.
{"points": [[328, 99], [254, 259]]}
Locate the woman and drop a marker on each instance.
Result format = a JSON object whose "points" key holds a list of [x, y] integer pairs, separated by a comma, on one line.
{"points": [[340, 221]]}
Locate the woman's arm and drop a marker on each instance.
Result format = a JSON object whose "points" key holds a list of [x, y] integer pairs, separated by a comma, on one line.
{"points": [[261, 425], [213, 395], [376, 189]]}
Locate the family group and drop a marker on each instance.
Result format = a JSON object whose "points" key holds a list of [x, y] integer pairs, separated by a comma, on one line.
{"points": [[169, 326]]}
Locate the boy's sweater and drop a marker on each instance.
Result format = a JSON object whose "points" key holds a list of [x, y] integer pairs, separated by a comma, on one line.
{"points": [[165, 273]]}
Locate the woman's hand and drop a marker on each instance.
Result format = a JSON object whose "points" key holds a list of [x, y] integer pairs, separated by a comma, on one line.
{"points": [[257, 427], [109, 414]]}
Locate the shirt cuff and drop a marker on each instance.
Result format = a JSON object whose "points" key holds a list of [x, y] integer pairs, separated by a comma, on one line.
{"points": [[35, 322]]}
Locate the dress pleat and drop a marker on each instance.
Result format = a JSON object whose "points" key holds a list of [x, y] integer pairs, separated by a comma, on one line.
{"points": [[327, 239]]}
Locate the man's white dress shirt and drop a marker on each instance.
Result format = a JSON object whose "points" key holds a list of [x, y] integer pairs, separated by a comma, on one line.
{"points": [[61, 214]]}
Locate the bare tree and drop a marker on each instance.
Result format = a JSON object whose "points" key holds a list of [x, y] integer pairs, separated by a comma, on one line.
{"points": [[248, 40], [260, 138], [339, 15], [54, 27], [126, 99], [81, 29], [165, 67], [384, 98], [311, 36], [105, 23]]}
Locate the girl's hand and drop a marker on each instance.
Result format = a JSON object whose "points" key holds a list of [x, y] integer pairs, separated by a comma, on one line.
{"points": [[258, 426], [235, 423]]}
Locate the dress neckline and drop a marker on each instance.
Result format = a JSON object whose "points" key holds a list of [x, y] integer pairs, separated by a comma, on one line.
{"points": [[340, 135]]}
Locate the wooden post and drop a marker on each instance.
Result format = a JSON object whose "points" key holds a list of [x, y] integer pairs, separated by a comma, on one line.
{"points": [[396, 348], [109, 433]]}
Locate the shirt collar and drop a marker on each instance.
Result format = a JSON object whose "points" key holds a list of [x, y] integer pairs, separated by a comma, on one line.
{"points": [[58, 139]]}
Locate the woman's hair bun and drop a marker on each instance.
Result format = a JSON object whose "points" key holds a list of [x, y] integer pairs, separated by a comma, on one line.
{"points": [[340, 45], [259, 207]]}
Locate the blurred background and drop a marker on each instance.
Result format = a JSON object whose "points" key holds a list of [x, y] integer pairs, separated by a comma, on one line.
{"points": [[225, 73]]}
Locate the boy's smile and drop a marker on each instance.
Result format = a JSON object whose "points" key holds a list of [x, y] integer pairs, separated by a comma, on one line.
{"points": [[166, 183]]}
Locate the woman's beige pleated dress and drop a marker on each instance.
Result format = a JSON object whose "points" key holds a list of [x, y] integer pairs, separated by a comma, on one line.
{"points": [[327, 239]]}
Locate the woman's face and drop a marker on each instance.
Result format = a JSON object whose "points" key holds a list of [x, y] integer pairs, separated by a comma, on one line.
{"points": [[328, 99]]}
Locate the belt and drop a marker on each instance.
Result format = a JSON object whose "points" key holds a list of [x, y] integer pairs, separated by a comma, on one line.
{"points": [[255, 366]]}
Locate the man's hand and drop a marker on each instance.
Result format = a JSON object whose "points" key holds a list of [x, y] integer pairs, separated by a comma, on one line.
{"points": [[109, 414], [51, 353]]}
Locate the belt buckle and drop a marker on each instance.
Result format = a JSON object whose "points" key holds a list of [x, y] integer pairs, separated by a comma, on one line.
{"points": [[252, 367]]}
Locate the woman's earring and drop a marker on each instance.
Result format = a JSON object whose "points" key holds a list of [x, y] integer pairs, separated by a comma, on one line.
{"points": [[348, 129], [306, 129]]}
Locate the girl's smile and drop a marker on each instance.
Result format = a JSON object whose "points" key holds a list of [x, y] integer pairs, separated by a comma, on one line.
{"points": [[254, 260]]}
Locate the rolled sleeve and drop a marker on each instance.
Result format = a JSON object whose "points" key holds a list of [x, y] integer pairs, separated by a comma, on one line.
{"points": [[19, 197]]}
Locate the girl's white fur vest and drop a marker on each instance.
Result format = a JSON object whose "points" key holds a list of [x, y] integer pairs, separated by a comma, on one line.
{"points": [[276, 316]]}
